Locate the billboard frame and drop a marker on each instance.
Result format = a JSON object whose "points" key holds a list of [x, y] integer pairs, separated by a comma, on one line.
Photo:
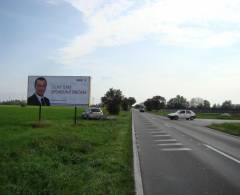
{"points": [[70, 105]]}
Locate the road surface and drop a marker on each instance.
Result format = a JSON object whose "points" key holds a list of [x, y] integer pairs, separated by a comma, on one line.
{"points": [[184, 158]]}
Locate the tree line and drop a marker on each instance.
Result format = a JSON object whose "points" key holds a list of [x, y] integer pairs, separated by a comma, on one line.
{"points": [[180, 102], [114, 101]]}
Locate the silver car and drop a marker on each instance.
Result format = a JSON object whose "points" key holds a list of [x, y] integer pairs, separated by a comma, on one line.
{"points": [[93, 113], [182, 114]]}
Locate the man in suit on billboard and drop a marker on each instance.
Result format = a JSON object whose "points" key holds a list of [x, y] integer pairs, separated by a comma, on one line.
{"points": [[38, 98]]}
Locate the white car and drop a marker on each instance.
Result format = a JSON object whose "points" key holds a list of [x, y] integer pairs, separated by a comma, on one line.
{"points": [[182, 114], [93, 113]]}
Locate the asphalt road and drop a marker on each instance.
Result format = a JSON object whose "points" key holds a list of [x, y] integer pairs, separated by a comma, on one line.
{"points": [[184, 158]]}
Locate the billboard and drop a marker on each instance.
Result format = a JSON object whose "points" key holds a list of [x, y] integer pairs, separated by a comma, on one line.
{"points": [[59, 90]]}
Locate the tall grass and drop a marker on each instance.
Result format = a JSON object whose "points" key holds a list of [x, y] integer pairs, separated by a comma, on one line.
{"points": [[94, 157], [230, 128]]}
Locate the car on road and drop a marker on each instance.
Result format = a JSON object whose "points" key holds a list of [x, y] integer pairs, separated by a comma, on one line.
{"points": [[182, 114], [93, 113], [141, 110]]}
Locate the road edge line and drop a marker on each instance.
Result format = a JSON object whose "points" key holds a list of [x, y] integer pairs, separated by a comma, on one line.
{"points": [[136, 163], [223, 154]]}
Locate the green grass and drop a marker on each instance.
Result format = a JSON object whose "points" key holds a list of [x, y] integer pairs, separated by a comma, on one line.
{"points": [[230, 128], [218, 116], [204, 115], [94, 157]]}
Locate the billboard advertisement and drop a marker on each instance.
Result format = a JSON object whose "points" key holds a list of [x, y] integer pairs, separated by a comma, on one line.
{"points": [[59, 90]]}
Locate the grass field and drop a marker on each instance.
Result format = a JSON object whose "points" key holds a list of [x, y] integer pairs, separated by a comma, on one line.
{"points": [[205, 115], [94, 157], [218, 116], [230, 128]]}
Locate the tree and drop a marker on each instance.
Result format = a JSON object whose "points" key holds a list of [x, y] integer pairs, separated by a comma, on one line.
{"points": [[131, 101], [138, 106], [196, 102], [155, 103], [214, 106], [237, 107], [158, 102], [148, 104], [112, 100], [179, 102], [125, 104], [206, 104], [227, 105]]}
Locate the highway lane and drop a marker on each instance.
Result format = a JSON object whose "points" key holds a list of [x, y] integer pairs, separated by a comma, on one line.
{"points": [[181, 157]]}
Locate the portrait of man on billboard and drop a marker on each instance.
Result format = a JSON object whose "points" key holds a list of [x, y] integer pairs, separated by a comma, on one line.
{"points": [[38, 98]]}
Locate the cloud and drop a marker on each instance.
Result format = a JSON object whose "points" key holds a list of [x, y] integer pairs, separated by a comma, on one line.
{"points": [[52, 2], [86, 7], [188, 23]]}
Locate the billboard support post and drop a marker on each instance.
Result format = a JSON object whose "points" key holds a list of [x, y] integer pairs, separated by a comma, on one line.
{"points": [[40, 113], [75, 115]]}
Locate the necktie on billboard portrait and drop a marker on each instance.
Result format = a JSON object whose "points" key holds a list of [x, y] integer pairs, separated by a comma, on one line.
{"points": [[42, 102]]}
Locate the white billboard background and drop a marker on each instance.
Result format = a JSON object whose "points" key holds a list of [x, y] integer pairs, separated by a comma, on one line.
{"points": [[64, 90]]}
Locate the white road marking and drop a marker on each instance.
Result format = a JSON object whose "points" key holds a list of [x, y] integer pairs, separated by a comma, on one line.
{"points": [[161, 135], [170, 144], [175, 149], [165, 140], [137, 171], [224, 154]]}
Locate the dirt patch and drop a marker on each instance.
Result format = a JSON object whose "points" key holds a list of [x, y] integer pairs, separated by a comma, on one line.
{"points": [[41, 124]]}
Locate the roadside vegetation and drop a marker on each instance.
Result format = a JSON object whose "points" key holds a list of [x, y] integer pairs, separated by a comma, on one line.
{"points": [[218, 116], [114, 100], [94, 157], [230, 128]]}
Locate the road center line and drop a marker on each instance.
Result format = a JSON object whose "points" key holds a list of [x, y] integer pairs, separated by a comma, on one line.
{"points": [[224, 154]]}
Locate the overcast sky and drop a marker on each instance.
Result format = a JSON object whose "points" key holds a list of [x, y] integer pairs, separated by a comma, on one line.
{"points": [[143, 47]]}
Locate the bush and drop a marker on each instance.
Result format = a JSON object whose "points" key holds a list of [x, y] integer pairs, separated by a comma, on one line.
{"points": [[112, 100]]}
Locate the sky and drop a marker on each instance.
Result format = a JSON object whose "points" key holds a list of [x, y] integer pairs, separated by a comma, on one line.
{"points": [[143, 47]]}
